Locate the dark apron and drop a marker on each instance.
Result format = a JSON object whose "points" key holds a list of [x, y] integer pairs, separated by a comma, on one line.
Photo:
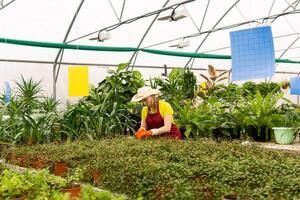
{"points": [[156, 121]]}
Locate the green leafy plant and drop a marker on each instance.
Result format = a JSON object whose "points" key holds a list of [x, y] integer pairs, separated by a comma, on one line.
{"points": [[266, 88], [178, 87], [88, 193], [263, 111], [121, 84], [28, 118], [32, 185], [250, 88], [288, 119], [28, 92], [49, 104]]}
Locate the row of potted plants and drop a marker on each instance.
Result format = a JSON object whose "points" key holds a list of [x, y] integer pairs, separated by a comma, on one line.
{"points": [[43, 185], [211, 109], [31, 118], [168, 169]]}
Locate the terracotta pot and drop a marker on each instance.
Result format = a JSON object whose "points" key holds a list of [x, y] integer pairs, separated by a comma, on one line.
{"points": [[22, 160], [73, 191], [96, 175], [38, 164], [12, 158], [60, 169]]}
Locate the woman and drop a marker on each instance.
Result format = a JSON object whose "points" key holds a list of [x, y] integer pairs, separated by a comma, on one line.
{"points": [[156, 117]]}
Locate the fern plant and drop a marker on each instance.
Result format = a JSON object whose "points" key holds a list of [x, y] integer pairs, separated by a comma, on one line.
{"points": [[263, 111]]}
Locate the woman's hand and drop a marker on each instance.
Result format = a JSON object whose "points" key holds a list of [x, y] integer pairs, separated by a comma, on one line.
{"points": [[155, 131], [139, 133], [142, 133]]}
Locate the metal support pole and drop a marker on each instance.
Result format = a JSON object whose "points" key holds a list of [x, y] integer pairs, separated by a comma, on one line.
{"points": [[229, 76], [297, 95], [148, 29], [215, 25], [166, 71], [54, 76]]}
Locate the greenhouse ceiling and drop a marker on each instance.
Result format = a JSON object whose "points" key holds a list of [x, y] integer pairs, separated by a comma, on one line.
{"points": [[139, 25]]}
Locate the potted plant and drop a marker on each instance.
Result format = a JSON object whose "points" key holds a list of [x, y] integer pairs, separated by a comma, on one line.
{"points": [[262, 113], [61, 168], [93, 170], [73, 187], [212, 79], [287, 127], [38, 163]]}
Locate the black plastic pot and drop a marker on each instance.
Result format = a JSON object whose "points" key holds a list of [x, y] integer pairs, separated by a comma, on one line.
{"points": [[225, 134], [264, 135]]}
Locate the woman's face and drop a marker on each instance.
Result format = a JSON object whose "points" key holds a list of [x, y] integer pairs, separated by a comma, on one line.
{"points": [[148, 101]]}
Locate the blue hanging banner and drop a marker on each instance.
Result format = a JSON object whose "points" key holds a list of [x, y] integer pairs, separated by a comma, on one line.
{"points": [[252, 53], [7, 92], [295, 85]]}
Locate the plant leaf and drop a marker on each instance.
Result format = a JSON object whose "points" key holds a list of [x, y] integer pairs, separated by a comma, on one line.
{"points": [[222, 78], [122, 66], [205, 77], [221, 74], [212, 71]]}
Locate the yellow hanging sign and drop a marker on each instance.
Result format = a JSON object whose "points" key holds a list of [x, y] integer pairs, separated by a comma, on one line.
{"points": [[78, 81]]}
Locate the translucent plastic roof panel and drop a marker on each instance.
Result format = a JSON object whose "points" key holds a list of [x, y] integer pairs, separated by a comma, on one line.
{"points": [[207, 27]]}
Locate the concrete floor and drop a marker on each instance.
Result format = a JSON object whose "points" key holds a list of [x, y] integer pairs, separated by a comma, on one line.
{"points": [[272, 145], [291, 147]]}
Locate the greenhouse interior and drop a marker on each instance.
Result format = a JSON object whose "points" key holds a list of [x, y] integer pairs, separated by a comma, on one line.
{"points": [[170, 99]]}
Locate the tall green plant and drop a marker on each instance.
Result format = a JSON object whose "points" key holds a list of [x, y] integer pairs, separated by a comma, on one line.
{"points": [[180, 85], [28, 92], [194, 122], [106, 111], [49, 104], [263, 111], [121, 84], [28, 118]]}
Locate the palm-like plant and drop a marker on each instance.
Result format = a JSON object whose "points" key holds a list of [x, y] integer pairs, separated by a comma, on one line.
{"points": [[194, 122], [263, 111], [28, 92], [49, 104], [28, 89]]}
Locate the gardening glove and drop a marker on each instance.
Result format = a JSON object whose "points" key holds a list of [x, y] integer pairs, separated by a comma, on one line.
{"points": [[146, 134], [139, 133], [155, 131]]}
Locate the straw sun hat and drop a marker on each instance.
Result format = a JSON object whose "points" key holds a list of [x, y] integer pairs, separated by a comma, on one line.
{"points": [[143, 93]]}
